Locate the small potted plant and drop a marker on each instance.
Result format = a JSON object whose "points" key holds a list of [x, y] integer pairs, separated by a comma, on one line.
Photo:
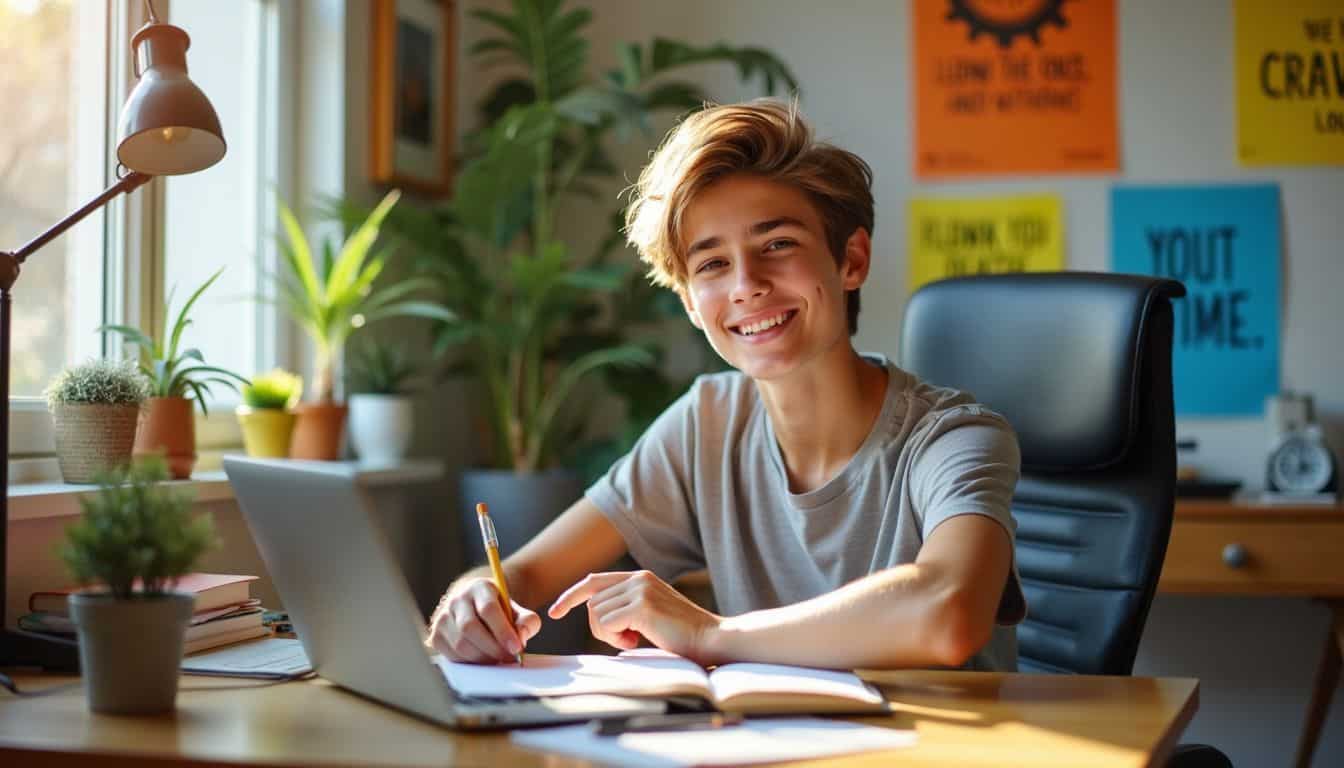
{"points": [[381, 414], [177, 377], [330, 297], [95, 407], [265, 414], [134, 539]]}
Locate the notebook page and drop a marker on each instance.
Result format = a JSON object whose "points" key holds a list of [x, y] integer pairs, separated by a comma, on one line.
{"points": [[745, 678], [755, 741], [543, 675]]}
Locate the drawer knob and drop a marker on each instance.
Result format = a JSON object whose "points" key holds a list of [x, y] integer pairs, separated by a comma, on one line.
{"points": [[1235, 556]]}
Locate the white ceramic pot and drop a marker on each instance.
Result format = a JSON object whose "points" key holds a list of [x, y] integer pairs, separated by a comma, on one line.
{"points": [[380, 427]]}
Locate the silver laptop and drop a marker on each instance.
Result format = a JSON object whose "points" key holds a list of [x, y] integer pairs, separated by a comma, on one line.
{"points": [[332, 565]]}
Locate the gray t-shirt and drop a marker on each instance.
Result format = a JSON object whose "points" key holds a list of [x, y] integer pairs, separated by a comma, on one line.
{"points": [[706, 487]]}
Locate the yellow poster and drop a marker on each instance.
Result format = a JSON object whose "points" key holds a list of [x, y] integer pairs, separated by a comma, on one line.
{"points": [[1290, 82], [956, 237]]}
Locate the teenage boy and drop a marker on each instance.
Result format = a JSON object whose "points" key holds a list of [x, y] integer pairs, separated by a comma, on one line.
{"points": [[849, 514]]}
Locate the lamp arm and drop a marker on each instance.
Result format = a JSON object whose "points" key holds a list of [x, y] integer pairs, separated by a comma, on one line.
{"points": [[126, 183]]}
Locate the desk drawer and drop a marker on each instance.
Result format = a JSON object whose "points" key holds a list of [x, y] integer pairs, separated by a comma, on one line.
{"points": [[1255, 557]]}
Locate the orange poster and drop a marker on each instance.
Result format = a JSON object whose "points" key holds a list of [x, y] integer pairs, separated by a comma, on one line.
{"points": [[1014, 87]]}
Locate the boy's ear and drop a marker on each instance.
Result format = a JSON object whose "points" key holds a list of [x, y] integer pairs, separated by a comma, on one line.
{"points": [[690, 308], [858, 259]]}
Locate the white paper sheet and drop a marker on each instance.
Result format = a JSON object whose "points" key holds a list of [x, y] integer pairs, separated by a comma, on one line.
{"points": [[739, 678], [543, 675], [755, 741]]}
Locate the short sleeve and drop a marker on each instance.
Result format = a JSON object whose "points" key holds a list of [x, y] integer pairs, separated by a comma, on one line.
{"points": [[648, 493], [968, 462]]}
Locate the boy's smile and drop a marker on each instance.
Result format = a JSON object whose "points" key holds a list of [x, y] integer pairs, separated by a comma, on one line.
{"points": [[761, 281]]}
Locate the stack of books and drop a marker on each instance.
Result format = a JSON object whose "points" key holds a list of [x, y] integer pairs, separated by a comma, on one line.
{"points": [[224, 613]]}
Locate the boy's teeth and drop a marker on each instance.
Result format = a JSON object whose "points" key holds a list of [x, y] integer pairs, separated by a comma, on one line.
{"points": [[766, 324]]}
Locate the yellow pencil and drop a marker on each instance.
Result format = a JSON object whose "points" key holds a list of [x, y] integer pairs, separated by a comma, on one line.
{"points": [[496, 570]]}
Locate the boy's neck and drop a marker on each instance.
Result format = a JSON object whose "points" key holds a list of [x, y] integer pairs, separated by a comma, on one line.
{"points": [[822, 413]]}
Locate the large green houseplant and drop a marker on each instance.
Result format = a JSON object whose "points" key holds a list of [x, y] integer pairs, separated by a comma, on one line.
{"points": [[177, 377], [330, 296], [134, 539], [534, 317]]}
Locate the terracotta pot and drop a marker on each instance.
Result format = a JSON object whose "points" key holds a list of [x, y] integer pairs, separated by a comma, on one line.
{"points": [[266, 431], [168, 429], [317, 431], [93, 437]]}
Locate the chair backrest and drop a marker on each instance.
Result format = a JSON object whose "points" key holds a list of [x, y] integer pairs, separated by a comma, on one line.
{"points": [[1080, 364]]}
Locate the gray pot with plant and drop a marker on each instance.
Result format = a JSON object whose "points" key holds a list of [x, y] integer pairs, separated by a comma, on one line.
{"points": [[94, 408], [134, 539], [382, 412], [533, 317]]}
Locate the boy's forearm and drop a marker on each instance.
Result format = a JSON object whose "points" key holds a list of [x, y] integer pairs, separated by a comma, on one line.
{"points": [[894, 618]]}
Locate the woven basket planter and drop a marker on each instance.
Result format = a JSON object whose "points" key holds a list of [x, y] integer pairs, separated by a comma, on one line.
{"points": [[92, 437]]}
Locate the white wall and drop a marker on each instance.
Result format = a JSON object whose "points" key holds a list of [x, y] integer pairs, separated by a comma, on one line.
{"points": [[1255, 657]]}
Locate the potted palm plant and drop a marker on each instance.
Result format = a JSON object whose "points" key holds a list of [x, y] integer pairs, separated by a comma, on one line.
{"points": [[330, 299], [533, 316], [134, 538], [95, 407], [266, 414], [381, 414], [177, 377]]}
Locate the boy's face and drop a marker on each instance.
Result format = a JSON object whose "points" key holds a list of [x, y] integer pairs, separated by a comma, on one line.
{"points": [[761, 281]]}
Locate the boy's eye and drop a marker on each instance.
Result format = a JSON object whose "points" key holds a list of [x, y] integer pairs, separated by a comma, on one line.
{"points": [[708, 264], [775, 245]]}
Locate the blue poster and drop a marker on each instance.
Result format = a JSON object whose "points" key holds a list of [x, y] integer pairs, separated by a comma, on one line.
{"points": [[1223, 243]]}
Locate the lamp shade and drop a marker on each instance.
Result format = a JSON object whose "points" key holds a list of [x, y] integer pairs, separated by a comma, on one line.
{"points": [[167, 125]]}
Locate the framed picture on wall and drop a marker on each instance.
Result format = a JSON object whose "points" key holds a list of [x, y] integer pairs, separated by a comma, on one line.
{"points": [[411, 136]]}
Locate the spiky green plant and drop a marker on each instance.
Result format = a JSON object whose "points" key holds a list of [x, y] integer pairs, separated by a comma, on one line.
{"points": [[333, 297], [274, 390], [533, 317], [136, 531], [103, 382], [171, 372], [382, 369]]}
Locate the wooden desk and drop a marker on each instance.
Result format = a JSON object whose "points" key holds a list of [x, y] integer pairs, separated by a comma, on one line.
{"points": [[1232, 548], [962, 718]]}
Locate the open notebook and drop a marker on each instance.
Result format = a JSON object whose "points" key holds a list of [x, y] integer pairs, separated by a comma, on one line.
{"points": [[739, 687]]}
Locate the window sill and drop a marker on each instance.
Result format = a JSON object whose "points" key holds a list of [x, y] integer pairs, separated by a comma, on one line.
{"points": [[33, 501]]}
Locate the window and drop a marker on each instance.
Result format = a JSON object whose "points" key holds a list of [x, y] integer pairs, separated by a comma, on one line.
{"points": [[67, 69], [223, 216], [53, 158]]}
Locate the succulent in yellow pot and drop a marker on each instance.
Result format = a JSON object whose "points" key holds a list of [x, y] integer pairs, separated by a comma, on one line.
{"points": [[266, 415]]}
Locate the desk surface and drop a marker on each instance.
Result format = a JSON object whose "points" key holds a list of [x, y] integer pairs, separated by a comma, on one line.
{"points": [[962, 718]]}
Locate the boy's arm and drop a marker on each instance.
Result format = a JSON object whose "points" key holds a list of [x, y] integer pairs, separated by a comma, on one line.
{"points": [[937, 611]]}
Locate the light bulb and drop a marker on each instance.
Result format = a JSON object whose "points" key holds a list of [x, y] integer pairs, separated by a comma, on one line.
{"points": [[357, 321], [174, 134]]}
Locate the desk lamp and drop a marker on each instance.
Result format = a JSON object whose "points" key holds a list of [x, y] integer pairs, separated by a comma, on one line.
{"points": [[167, 128]]}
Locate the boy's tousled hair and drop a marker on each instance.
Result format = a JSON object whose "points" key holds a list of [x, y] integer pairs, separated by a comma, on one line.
{"points": [[764, 138]]}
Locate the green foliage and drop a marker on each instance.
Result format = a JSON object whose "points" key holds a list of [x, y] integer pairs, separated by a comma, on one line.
{"points": [[382, 369], [533, 318], [275, 390], [105, 382], [169, 370], [331, 298], [136, 531]]}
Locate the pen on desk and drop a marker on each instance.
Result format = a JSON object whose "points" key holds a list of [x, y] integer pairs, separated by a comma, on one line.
{"points": [[681, 721], [496, 570]]}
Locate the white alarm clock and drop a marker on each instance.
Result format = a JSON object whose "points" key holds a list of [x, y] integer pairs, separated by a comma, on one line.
{"points": [[1302, 463]]}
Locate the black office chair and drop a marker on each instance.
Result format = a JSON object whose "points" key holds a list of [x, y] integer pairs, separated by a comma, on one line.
{"points": [[1080, 364]]}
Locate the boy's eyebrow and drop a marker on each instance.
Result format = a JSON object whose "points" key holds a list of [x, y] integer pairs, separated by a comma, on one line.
{"points": [[759, 228]]}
